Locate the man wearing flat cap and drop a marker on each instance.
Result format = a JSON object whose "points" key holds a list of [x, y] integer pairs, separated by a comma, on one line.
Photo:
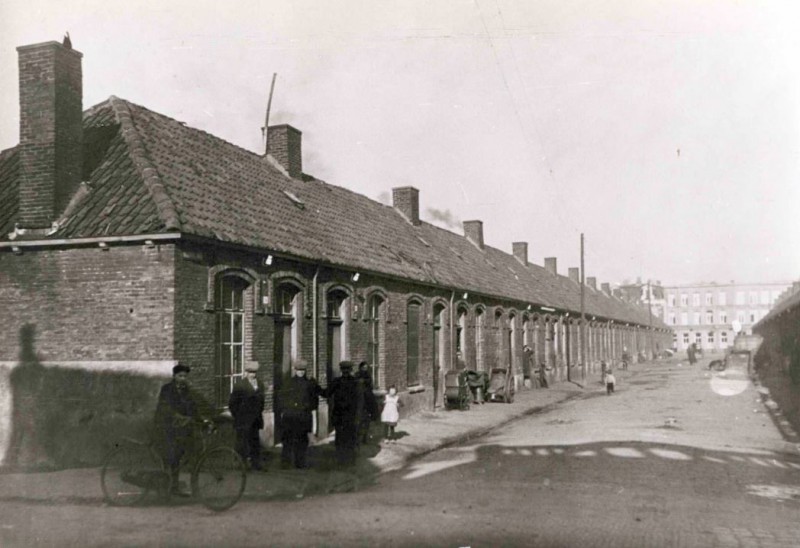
{"points": [[297, 399], [346, 395], [177, 409], [246, 404]]}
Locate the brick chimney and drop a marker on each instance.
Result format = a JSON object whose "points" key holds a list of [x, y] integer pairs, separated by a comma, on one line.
{"points": [[474, 231], [591, 281], [284, 144], [606, 288], [405, 199], [520, 250], [551, 265], [50, 130], [575, 274]]}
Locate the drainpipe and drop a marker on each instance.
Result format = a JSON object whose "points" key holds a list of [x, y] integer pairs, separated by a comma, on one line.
{"points": [[314, 350]]}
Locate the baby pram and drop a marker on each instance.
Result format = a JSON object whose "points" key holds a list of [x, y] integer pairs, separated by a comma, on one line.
{"points": [[501, 386], [456, 391]]}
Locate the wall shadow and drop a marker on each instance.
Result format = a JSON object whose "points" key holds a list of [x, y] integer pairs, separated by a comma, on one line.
{"points": [[70, 417]]}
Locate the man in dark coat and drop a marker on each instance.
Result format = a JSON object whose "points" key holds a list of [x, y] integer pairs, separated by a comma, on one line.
{"points": [[370, 404], [347, 406], [692, 353], [176, 412], [298, 398], [246, 404]]}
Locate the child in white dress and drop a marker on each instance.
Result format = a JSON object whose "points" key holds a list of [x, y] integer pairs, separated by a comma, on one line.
{"points": [[390, 415]]}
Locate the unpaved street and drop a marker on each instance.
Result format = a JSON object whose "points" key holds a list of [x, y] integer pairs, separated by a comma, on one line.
{"points": [[677, 457]]}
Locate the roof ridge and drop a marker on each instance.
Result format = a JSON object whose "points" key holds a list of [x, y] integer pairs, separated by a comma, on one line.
{"points": [[150, 177], [187, 126]]}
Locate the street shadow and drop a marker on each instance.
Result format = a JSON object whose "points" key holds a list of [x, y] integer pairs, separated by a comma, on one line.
{"points": [[634, 464]]}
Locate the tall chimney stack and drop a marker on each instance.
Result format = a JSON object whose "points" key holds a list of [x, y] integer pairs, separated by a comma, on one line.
{"points": [[575, 274], [606, 288], [520, 250], [50, 130], [284, 143], [551, 265], [474, 231], [405, 199], [591, 281]]}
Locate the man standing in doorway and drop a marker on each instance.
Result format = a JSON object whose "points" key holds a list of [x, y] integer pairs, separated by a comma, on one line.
{"points": [[246, 404]]}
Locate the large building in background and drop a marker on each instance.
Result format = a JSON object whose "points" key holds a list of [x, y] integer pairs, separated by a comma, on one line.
{"points": [[709, 313]]}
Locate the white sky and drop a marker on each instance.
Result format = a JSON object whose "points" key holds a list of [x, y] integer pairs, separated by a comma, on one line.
{"points": [[543, 118]]}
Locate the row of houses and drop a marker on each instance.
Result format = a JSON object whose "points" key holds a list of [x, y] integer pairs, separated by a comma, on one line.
{"points": [[129, 241]]}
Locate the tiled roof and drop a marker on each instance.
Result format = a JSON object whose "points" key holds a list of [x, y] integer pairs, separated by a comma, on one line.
{"points": [[789, 303], [149, 173]]}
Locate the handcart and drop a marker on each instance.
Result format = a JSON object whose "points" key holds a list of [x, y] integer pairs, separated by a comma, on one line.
{"points": [[501, 386], [456, 390]]}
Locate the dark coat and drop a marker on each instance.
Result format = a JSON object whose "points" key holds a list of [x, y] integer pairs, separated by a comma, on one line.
{"points": [[298, 397], [174, 406], [247, 404], [347, 400]]}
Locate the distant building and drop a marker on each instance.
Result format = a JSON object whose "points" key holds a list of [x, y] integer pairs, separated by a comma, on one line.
{"points": [[706, 313], [648, 294]]}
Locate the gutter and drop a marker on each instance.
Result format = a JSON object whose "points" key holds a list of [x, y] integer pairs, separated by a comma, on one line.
{"points": [[89, 241]]}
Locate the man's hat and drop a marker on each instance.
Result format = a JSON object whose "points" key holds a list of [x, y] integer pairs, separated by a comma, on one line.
{"points": [[300, 365], [346, 365], [251, 366], [180, 368]]}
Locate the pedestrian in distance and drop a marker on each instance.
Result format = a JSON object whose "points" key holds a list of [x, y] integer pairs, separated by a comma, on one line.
{"points": [[626, 358], [390, 415], [246, 404], [346, 398], [529, 377], [298, 398], [611, 382], [691, 352], [543, 375], [177, 415], [370, 404]]}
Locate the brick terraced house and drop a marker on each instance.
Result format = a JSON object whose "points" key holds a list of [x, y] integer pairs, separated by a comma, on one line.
{"points": [[129, 241]]}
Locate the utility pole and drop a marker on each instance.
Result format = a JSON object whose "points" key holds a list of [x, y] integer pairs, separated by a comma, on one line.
{"points": [[650, 318], [583, 315]]}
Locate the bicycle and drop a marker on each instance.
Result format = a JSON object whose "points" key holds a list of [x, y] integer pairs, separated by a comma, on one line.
{"points": [[133, 469]]}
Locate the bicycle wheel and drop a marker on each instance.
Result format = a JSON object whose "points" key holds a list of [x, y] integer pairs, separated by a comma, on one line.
{"points": [[130, 472], [219, 478]]}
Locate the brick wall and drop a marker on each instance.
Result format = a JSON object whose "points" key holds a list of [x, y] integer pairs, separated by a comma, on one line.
{"points": [[89, 304], [86, 344]]}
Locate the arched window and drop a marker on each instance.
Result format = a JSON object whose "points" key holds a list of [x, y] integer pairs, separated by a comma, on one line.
{"points": [[375, 307], [479, 360], [229, 307], [414, 313], [439, 341], [337, 340], [287, 328], [461, 334], [511, 343]]}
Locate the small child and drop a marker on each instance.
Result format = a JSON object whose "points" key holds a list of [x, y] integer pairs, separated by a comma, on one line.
{"points": [[610, 382], [390, 415]]}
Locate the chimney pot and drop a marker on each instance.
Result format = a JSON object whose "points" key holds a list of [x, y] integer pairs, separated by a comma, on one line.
{"points": [[405, 199], [551, 265], [591, 281], [284, 144], [520, 250], [474, 231], [51, 131], [575, 274]]}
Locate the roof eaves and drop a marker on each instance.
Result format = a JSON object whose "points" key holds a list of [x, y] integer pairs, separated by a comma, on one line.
{"points": [[152, 180]]}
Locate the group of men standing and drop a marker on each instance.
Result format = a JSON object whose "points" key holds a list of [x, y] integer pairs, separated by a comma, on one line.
{"points": [[351, 402], [352, 408]]}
